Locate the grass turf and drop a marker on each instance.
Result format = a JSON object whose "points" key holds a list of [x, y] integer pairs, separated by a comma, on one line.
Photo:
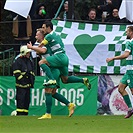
{"points": [[63, 124]]}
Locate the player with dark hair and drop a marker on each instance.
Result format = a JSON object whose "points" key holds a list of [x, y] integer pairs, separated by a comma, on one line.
{"points": [[59, 58]]}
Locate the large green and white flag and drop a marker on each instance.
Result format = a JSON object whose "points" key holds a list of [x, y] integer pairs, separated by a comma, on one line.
{"points": [[88, 46]]}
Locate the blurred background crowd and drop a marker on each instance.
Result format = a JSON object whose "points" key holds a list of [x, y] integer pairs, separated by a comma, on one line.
{"points": [[93, 11]]}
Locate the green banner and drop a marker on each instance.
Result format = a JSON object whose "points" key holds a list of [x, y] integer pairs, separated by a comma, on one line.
{"points": [[85, 100]]}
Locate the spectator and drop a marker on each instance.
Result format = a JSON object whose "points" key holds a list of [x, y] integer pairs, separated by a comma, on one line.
{"points": [[99, 11], [114, 17], [52, 10], [64, 14], [92, 15], [39, 17], [109, 5], [41, 12], [24, 75]]}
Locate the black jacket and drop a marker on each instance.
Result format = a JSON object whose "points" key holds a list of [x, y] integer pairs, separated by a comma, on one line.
{"points": [[23, 72]]}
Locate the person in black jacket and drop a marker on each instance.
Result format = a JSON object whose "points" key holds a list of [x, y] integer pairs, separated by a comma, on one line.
{"points": [[38, 19], [64, 14], [24, 75], [115, 17], [108, 6]]}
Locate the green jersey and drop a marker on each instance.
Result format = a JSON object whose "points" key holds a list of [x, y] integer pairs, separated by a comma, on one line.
{"points": [[55, 42], [47, 53], [129, 60]]}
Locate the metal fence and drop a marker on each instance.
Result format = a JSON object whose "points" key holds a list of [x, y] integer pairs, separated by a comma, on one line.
{"points": [[6, 59]]}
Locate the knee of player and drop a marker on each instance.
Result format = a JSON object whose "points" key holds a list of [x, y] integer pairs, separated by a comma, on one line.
{"points": [[48, 90], [54, 91], [64, 79], [121, 90]]}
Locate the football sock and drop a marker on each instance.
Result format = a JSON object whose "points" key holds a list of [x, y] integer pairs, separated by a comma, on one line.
{"points": [[127, 101], [47, 70], [48, 102], [60, 98], [74, 79]]}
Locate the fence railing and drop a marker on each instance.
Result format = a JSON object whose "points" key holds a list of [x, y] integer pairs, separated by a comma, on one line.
{"points": [[6, 59]]}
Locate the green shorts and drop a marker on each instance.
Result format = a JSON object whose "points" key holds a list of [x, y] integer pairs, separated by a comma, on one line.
{"points": [[127, 79], [59, 61]]}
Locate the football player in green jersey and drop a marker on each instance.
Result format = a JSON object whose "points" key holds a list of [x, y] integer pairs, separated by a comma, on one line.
{"points": [[59, 58], [127, 79], [50, 90]]}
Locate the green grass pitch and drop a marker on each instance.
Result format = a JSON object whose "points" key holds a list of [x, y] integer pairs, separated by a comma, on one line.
{"points": [[63, 124]]}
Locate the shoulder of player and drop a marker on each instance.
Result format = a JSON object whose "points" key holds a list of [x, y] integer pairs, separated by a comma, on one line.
{"points": [[129, 42], [50, 35]]}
